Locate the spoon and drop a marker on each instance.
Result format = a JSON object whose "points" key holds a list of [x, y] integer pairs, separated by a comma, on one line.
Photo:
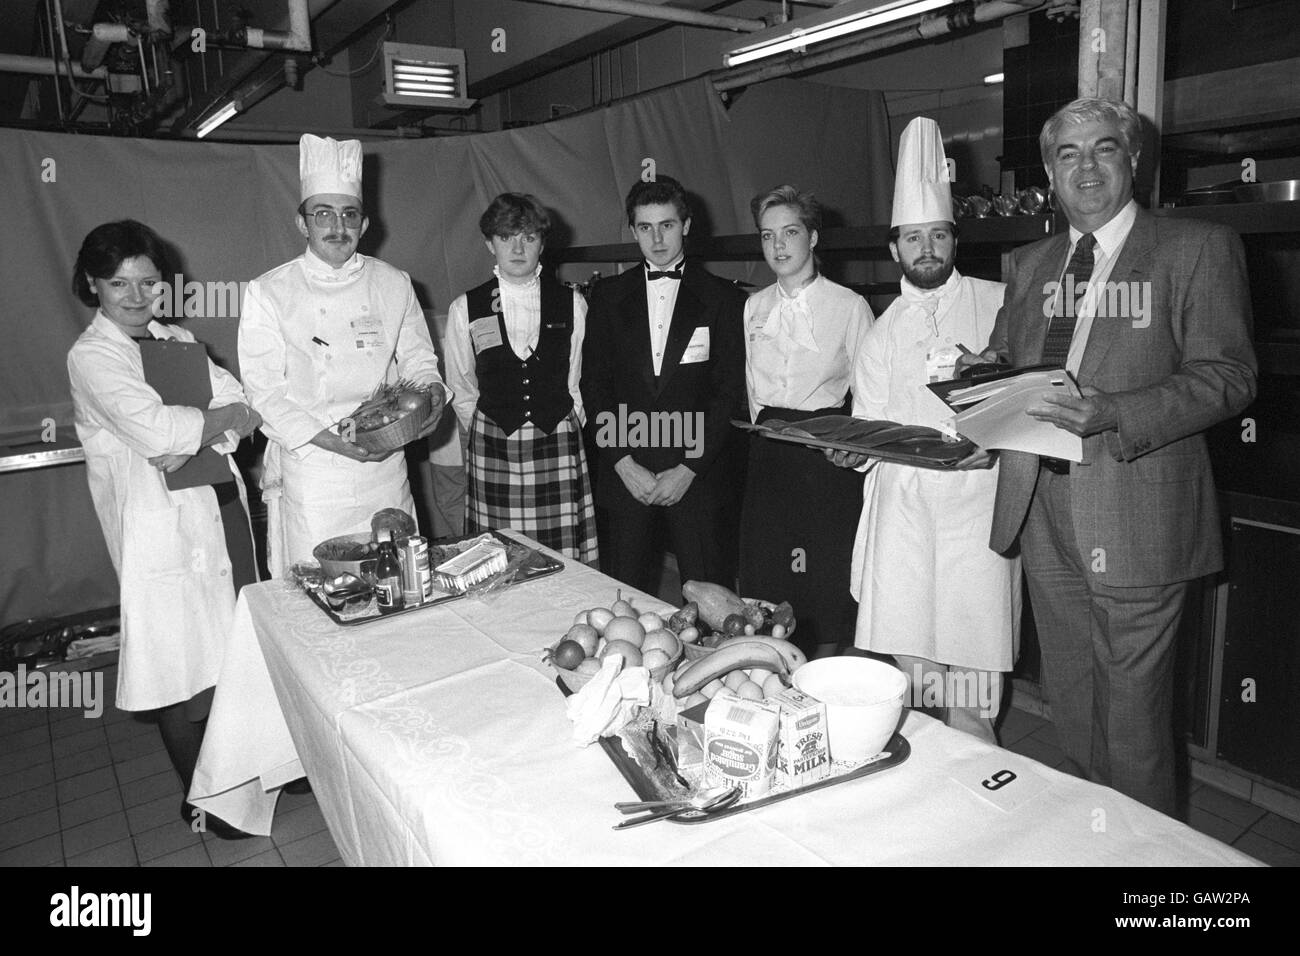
{"points": [[698, 801], [722, 800]]}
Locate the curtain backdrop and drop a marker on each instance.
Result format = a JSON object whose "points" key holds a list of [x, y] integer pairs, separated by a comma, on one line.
{"points": [[228, 211]]}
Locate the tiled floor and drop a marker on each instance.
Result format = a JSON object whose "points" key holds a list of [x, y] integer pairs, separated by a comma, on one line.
{"points": [[101, 792]]}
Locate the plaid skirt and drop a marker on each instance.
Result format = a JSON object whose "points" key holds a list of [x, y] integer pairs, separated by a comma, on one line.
{"points": [[533, 482]]}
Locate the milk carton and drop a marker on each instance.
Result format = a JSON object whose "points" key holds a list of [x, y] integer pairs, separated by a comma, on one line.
{"points": [[740, 744], [802, 754]]}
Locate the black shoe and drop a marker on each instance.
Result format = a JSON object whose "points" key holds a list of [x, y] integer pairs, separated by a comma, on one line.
{"points": [[298, 787], [211, 824]]}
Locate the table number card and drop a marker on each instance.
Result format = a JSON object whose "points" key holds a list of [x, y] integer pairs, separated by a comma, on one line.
{"points": [[1007, 784]]}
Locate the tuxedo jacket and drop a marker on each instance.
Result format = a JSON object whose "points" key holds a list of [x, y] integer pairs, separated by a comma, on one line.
{"points": [[1143, 501], [618, 371]]}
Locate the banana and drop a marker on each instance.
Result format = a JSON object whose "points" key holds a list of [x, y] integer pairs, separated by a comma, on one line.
{"points": [[790, 653], [738, 653]]}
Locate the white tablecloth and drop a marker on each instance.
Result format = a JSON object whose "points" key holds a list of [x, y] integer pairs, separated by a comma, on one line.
{"points": [[438, 737]]}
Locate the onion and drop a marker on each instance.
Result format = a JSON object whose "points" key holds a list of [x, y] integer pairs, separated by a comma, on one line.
{"points": [[411, 401]]}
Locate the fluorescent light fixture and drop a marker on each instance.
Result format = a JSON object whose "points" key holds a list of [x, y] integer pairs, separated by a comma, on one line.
{"points": [[424, 77], [217, 118], [993, 79], [835, 22]]}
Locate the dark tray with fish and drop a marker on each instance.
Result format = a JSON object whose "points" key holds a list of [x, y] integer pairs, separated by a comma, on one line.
{"points": [[913, 445]]}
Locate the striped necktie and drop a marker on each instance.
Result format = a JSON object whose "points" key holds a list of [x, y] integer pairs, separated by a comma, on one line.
{"points": [[1061, 330]]}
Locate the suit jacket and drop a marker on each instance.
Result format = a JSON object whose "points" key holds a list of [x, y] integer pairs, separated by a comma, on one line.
{"points": [[1144, 495], [618, 371]]}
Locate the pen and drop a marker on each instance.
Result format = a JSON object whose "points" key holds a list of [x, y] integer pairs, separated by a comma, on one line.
{"points": [[320, 341], [964, 350]]}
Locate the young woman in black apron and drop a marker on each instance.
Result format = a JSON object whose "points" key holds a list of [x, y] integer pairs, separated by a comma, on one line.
{"points": [[801, 334]]}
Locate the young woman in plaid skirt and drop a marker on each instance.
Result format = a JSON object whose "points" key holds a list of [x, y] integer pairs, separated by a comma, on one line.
{"points": [[514, 358]]}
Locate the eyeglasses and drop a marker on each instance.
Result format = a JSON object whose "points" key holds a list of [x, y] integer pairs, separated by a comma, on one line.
{"points": [[326, 218]]}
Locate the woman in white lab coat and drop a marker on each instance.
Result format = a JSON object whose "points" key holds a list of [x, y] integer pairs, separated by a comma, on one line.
{"points": [[181, 556]]}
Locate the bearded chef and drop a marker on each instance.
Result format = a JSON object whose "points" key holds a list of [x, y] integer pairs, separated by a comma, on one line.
{"points": [[930, 591], [317, 336]]}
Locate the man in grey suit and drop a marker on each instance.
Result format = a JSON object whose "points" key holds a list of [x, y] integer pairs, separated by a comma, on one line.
{"points": [[1152, 316]]}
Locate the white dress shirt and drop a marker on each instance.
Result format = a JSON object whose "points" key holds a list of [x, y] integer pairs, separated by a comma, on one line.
{"points": [[660, 300], [799, 350], [521, 307], [1110, 240]]}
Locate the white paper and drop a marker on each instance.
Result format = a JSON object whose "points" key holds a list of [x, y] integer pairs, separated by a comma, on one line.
{"points": [[1000, 420]]}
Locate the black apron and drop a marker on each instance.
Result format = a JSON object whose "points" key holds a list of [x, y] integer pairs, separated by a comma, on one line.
{"points": [[798, 523]]}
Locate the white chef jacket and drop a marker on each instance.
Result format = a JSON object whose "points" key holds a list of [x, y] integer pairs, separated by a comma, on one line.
{"points": [[314, 343], [926, 581], [799, 349], [521, 307], [168, 547]]}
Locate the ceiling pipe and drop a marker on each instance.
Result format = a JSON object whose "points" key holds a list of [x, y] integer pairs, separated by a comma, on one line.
{"points": [[159, 16], [296, 38], [924, 27], [649, 11], [40, 66]]}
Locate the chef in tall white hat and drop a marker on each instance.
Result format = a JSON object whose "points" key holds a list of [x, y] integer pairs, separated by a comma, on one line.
{"points": [[317, 335], [930, 591]]}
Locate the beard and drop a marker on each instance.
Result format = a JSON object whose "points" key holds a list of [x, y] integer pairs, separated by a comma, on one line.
{"points": [[929, 274]]}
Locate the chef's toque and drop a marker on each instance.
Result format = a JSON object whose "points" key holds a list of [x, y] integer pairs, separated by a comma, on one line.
{"points": [[329, 166], [921, 189]]}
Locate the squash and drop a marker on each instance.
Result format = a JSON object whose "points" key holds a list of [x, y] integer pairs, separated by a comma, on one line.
{"points": [[715, 602]]}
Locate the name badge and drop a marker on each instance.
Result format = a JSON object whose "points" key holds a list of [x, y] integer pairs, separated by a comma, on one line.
{"points": [[697, 350], [367, 332], [941, 363], [485, 332]]}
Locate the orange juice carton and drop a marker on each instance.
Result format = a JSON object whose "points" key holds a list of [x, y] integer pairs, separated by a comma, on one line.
{"points": [[802, 754], [740, 744]]}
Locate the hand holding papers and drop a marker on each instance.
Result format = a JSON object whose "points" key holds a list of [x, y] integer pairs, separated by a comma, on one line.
{"points": [[994, 413]]}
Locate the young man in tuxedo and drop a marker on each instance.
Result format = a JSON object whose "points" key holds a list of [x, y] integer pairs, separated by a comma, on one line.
{"points": [[663, 374]]}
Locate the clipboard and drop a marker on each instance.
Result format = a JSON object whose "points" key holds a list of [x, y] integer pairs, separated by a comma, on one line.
{"points": [[945, 389], [178, 372]]}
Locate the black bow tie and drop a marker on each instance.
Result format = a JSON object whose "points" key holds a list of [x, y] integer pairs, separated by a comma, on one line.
{"points": [[651, 275]]}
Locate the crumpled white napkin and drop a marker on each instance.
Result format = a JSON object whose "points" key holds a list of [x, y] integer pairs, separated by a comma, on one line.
{"points": [[608, 700]]}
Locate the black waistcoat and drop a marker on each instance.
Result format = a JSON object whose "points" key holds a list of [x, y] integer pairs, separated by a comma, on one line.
{"points": [[513, 391]]}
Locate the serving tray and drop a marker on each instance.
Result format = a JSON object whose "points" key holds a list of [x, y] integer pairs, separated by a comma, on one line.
{"points": [[646, 787], [902, 444], [536, 565]]}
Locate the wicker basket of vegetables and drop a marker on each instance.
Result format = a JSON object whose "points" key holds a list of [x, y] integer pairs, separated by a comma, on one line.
{"points": [[392, 417]]}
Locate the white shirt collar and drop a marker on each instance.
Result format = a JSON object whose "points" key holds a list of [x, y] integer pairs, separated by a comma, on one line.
{"points": [[913, 294], [509, 286], [319, 267], [678, 264], [111, 329], [1112, 235], [803, 291]]}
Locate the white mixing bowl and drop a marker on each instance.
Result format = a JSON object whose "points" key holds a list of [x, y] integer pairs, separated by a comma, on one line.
{"points": [[863, 698]]}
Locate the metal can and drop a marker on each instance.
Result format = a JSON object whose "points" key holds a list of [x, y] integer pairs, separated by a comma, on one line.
{"points": [[417, 581]]}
